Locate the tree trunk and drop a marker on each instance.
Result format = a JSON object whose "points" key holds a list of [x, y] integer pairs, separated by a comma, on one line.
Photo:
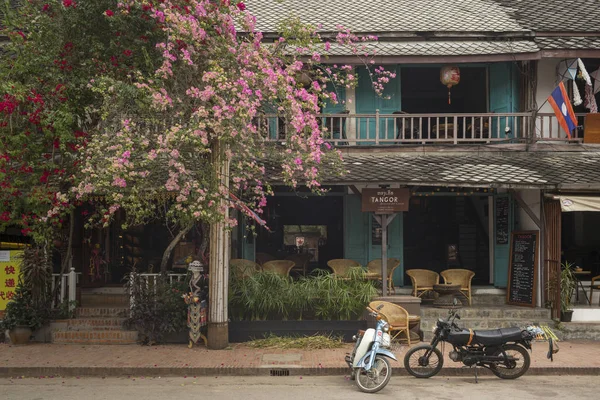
{"points": [[205, 229], [66, 260], [171, 246], [218, 328]]}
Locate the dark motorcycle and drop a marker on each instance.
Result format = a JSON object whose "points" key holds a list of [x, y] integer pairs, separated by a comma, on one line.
{"points": [[502, 351]]}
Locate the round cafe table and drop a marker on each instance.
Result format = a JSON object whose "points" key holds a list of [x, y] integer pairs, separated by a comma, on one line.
{"points": [[447, 293]]}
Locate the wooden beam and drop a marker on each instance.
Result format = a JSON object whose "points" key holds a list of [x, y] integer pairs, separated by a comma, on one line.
{"points": [[355, 190], [527, 209]]}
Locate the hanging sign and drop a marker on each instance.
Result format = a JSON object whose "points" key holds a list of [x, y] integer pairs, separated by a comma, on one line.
{"points": [[385, 201]]}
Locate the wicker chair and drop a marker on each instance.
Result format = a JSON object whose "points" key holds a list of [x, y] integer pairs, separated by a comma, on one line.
{"points": [[462, 277], [594, 285], [422, 280], [374, 271], [396, 316], [301, 261], [242, 268], [280, 267], [341, 266], [262, 258]]}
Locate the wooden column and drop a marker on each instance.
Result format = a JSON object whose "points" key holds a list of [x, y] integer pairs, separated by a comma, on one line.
{"points": [[218, 334], [552, 248]]}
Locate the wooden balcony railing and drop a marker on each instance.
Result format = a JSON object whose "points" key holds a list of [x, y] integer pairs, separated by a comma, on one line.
{"points": [[403, 128]]}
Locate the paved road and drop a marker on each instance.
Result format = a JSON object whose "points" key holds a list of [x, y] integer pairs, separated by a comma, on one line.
{"points": [[292, 388]]}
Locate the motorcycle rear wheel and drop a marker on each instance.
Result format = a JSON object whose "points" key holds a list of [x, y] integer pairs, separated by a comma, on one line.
{"points": [[376, 378], [418, 366], [517, 366]]}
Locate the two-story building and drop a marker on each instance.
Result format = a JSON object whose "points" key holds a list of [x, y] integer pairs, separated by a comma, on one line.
{"points": [[481, 158]]}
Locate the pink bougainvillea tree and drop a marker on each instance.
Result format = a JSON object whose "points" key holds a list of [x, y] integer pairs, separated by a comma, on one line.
{"points": [[152, 89]]}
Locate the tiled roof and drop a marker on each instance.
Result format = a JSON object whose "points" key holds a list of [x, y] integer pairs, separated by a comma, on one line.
{"points": [[389, 15], [441, 48], [544, 170], [556, 15], [570, 42]]}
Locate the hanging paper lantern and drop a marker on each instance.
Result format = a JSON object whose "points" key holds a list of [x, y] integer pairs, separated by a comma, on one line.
{"points": [[449, 76]]}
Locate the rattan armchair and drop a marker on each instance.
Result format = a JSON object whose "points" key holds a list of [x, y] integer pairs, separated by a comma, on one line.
{"points": [[460, 277], [262, 258], [242, 268], [595, 285], [374, 271], [341, 266], [422, 280], [280, 267], [396, 316]]}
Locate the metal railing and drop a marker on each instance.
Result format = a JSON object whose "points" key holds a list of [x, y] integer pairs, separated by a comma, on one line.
{"points": [[68, 286], [403, 128], [150, 280]]}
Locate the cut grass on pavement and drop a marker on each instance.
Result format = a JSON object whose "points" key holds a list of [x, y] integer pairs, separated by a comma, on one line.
{"points": [[306, 342]]}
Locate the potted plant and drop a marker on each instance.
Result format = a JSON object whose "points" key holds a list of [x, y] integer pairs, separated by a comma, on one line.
{"points": [[21, 317], [568, 284]]}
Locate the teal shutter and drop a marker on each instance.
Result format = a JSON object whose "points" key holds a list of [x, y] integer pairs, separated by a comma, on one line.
{"points": [[247, 240], [367, 102], [502, 251], [504, 97], [355, 230], [395, 245]]}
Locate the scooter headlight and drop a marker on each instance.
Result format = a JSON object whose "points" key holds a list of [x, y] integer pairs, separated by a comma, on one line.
{"points": [[386, 328]]}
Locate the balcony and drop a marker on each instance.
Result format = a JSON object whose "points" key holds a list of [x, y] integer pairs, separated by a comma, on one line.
{"points": [[430, 129]]}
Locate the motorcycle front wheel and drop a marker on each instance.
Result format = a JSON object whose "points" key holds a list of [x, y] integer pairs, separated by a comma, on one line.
{"points": [[375, 379], [516, 365], [419, 366]]}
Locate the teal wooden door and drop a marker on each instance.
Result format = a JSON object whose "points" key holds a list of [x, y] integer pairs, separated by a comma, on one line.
{"points": [[367, 102], [356, 224], [395, 247], [504, 97], [502, 247]]}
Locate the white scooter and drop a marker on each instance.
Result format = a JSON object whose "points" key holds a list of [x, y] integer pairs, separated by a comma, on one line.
{"points": [[369, 359]]}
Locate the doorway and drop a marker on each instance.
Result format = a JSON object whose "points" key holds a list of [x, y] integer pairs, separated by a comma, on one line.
{"points": [[442, 232]]}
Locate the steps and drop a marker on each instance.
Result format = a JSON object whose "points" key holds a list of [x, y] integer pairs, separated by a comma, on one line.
{"points": [[98, 321], [580, 330], [484, 316]]}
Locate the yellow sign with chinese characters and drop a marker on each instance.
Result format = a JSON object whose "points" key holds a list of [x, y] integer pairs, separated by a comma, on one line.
{"points": [[10, 265]]}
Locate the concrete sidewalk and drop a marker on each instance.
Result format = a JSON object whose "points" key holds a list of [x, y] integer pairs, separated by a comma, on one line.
{"points": [[45, 360]]}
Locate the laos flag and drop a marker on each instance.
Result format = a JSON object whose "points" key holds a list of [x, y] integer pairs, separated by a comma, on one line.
{"points": [[559, 100]]}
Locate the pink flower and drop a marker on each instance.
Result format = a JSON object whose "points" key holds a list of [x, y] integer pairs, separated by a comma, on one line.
{"points": [[109, 13], [46, 7], [127, 53], [241, 6], [69, 3]]}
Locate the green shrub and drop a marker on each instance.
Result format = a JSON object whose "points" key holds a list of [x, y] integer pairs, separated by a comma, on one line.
{"points": [[158, 309], [22, 311], [268, 296]]}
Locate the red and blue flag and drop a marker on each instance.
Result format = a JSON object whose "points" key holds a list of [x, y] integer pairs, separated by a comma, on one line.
{"points": [[559, 100]]}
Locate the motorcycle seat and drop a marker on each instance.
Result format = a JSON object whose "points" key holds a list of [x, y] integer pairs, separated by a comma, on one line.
{"points": [[498, 336]]}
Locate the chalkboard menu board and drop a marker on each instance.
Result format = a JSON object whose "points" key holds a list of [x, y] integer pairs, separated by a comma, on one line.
{"points": [[522, 268], [502, 207]]}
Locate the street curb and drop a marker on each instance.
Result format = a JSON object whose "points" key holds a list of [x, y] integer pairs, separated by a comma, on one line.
{"points": [[35, 372]]}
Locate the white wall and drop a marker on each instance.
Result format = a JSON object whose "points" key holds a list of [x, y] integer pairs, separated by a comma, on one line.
{"points": [[547, 79]]}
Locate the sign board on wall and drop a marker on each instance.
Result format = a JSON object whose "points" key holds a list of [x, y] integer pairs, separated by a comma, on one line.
{"points": [[10, 266], [522, 268], [385, 201]]}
